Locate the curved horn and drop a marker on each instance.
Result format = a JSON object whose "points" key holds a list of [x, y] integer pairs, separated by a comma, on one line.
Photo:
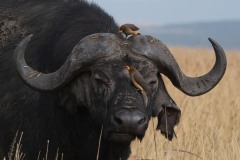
{"points": [[192, 86], [88, 50]]}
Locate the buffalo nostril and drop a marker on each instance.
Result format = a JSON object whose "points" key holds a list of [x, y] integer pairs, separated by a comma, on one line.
{"points": [[118, 120], [129, 119], [142, 121]]}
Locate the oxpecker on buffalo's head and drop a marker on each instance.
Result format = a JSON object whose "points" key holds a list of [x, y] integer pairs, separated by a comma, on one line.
{"points": [[129, 29]]}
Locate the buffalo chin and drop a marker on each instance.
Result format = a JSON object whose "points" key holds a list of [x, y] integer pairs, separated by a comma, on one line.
{"points": [[122, 137]]}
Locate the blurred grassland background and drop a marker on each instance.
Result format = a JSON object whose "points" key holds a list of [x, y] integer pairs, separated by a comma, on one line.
{"points": [[209, 128]]}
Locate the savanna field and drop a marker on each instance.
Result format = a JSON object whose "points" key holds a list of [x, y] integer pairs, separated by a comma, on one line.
{"points": [[209, 128]]}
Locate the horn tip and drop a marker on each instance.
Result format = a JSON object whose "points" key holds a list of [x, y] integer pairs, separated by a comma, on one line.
{"points": [[216, 45], [211, 40]]}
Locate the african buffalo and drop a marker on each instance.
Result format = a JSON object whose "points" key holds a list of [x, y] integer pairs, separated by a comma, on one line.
{"points": [[62, 79]]}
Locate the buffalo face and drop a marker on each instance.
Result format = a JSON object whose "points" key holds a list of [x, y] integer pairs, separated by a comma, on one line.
{"points": [[126, 115], [114, 102], [94, 74]]}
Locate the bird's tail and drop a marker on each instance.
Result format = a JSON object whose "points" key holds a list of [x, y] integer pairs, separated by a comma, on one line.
{"points": [[145, 98]]}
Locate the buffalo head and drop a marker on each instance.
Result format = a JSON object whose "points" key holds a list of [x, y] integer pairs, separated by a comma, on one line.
{"points": [[93, 76]]}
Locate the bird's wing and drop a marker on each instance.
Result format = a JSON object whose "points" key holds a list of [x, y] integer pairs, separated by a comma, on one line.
{"points": [[140, 81]]}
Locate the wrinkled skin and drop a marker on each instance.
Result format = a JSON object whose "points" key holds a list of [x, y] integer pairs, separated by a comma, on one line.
{"points": [[73, 84]]}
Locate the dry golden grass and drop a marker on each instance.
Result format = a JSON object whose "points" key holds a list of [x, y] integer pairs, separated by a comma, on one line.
{"points": [[210, 124]]}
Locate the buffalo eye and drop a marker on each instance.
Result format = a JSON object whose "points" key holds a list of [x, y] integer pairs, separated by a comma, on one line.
{"points": [[100, 82], [152, 83], [101, 86], [151, 79]]}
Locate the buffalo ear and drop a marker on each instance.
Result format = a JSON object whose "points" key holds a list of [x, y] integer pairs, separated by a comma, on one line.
{"points": [[167, 119], [166, 110]]}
